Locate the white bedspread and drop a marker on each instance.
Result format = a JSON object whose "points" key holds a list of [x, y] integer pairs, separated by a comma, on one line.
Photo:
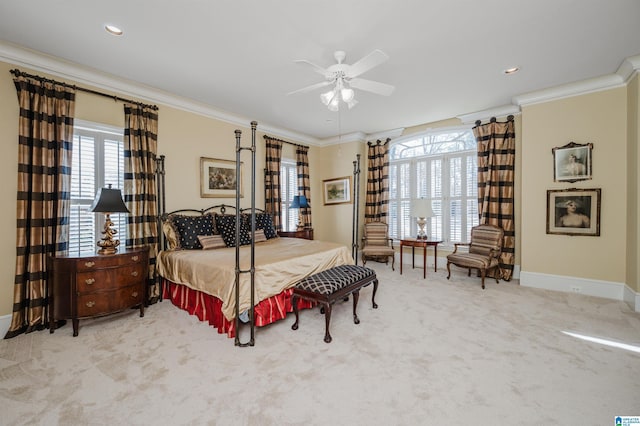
{"points": [[279, 264]]}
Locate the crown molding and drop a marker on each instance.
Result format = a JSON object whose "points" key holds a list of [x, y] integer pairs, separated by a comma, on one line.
{"points": [[350, 137], [629, 68], [79, 74], [578, 88]]}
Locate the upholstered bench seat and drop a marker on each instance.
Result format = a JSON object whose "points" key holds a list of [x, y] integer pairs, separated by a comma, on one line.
{"points": [[328, 286]]}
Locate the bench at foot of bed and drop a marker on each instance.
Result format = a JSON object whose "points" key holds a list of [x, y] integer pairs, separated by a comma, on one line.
{"points": [[336, 283]]}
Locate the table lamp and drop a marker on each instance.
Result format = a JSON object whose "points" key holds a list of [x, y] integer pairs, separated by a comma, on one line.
{"points": [[421, 209], [299, 201], [108, 201]]}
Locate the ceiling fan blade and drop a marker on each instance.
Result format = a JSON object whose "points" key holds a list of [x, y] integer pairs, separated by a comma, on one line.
{"points": [[372, 86], [316, 68], [373, 59], [310, 88]]}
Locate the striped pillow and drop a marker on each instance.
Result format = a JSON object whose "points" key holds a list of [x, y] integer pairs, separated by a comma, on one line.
{"points": [[211, 241], [260, 236]]}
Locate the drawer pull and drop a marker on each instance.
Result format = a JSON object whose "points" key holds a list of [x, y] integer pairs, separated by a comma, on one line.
{"points": [[91, 304], [89, 264], [134, 258], [134, 294], [90, 281], [134, 273]]}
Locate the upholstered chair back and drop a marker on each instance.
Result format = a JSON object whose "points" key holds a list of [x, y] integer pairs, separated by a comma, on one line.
{"points": [[485, 238]]}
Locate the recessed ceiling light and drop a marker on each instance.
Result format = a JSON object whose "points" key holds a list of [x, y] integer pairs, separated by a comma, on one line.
{"points": [[112, 29], [511, 70]]}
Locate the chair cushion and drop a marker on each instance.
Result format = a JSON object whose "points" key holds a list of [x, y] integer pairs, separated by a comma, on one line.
{"points": [[329, 281], [472, 260], [378, 251]]}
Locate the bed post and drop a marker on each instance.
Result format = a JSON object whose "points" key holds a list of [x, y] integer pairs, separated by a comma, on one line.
{"points": [[356, 208], [160, 210], [251, 270]]}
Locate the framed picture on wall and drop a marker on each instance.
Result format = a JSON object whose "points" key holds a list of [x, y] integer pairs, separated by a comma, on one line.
{"points": [[218, 178], [572, 162], [573, 211], [337, 191]]}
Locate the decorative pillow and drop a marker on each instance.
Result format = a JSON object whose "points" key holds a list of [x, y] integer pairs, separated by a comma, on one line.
{"points": [[209, 242], [189, 227], [226, 225], [170, 234], [264, 221], [259, 236]]}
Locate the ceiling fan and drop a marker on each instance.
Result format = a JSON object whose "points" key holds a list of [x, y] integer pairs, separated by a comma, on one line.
{"points": [[344, 78]]}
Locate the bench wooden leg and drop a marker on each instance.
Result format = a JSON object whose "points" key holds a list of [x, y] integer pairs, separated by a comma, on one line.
{"points": [[356, 296], [294, 302], [327, 320]]}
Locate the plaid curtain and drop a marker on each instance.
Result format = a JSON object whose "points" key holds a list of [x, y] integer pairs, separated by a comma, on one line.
{"points": [[304, 185], [377, 200], [272, 194], [44, 184], [496, 172], [140, 147]]}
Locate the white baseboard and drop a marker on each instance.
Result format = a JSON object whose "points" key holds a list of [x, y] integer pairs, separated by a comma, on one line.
{"points": [[5, 323], [597, 288]]}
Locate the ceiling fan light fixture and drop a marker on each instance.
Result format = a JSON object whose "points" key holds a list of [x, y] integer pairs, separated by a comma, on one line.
{"points": [[112, 29], [327, 97], [352, 103], [334, 107], [347, 94]]}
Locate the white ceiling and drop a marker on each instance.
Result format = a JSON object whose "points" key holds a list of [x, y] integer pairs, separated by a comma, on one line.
{"points": [[446, 56]]}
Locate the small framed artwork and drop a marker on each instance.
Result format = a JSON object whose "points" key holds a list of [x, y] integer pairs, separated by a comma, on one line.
{"points": [[218, 178], [337, 191], [572, 162], [573, 211]]}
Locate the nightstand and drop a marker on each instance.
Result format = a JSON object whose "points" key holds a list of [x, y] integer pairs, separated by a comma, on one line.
{"points": [[307, 234], [90, 285]]}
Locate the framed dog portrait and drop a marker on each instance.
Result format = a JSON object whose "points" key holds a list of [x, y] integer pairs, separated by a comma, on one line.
{"points": [[573, 211], [572, 162], [218, 178]]}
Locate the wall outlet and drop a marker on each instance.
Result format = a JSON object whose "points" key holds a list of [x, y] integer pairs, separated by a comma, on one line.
{"points": [[575, 289]]}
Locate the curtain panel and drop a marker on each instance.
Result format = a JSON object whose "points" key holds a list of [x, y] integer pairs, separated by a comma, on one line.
{"points": [[140, 196], [496, 173], [377, 198], [272, 193], [304, 184], [45, 139]]}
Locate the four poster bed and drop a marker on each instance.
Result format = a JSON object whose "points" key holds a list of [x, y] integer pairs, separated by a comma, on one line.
{"points": [[211, 259]]}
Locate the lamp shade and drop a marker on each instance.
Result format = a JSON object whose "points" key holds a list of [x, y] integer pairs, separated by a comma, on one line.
{"points": [[422, 208], [299, 201], [108, 200]]}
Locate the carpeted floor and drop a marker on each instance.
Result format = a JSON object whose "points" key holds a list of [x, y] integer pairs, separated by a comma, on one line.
{"points": [[435, 352]]}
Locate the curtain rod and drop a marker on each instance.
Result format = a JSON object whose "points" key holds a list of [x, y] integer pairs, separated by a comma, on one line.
{"points": [[493, 120], [283, 141], [18, 73]]}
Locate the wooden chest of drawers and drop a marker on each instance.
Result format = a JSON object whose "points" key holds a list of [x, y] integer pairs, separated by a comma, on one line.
{"points": [[306, 233], [91, 285]]}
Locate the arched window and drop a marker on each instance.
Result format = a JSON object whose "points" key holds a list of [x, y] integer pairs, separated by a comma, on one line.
{"points": [[441, 167]]}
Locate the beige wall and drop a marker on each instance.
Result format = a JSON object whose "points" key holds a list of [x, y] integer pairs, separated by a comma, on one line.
{"points": [[600, 118]]}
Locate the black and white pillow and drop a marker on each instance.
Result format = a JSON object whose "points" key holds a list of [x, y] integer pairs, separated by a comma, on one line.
{"points": [[189, 227], [226, 225], [264, 221]]}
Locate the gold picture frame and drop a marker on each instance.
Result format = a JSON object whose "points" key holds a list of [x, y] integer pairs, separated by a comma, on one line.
{"points": [[337, 190], [573, 211], [218, 178]]}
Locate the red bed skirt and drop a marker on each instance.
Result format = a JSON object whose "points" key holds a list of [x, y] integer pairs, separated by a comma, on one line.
{"points": [[209, 308]]}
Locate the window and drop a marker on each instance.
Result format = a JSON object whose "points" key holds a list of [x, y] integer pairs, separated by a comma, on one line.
{"points": [[98, 160], [289, 188], [440, 166]]}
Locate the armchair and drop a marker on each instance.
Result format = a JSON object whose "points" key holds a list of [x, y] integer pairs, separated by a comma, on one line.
{"points": [[376, 243], [484, 251]]}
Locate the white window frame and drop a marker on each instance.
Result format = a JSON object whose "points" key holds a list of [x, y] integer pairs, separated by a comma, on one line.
{"points": [[99, 133], [402, 224], [288, 189]]}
